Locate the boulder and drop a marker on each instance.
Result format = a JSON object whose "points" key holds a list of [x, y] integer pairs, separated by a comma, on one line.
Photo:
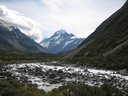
{"points": [[124, 72], [52, 76], [54, 81], [85, 69], [60, 71], [126, 87]]}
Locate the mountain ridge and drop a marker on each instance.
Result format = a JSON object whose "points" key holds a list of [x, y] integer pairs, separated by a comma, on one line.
{"points": [[14, 41], [61, 41], [108, 44]]}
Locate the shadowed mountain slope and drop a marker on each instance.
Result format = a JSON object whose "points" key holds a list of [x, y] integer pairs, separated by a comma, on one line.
{"points": [[108, 41], [12, 40]]}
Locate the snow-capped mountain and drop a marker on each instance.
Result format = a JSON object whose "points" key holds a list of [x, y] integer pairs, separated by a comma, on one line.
{"points": [[61, 41], [12, 40]]}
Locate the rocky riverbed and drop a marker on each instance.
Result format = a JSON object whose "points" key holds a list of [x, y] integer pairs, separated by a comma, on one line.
{"points": [[47, 76]]}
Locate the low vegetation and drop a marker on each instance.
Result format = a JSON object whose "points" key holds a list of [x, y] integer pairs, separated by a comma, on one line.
{"points": [[18, 58], [14, 88], [115, 61], [85, 90]]}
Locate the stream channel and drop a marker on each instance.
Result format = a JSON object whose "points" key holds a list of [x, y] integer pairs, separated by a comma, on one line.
{"points": [[48, 75]]}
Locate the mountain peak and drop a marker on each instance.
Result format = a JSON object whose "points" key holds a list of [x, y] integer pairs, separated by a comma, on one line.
{"points": [[60, 32], [61, 41], [12, 40], [10, 27]]}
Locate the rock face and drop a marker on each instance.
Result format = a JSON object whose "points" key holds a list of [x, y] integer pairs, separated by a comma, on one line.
{"points": [[14, 41], [61, 41]]}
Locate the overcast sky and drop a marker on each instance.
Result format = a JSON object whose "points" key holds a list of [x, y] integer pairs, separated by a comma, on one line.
{"points": [[41, 18]]}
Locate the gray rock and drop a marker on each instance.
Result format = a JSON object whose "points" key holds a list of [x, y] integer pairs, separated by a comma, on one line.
{"points": [[54, 81], [52, 76], [124, 72], [85, 69], [60, 71]]}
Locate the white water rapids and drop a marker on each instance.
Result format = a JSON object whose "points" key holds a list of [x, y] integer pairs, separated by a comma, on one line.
{"points": [[28, 70]]}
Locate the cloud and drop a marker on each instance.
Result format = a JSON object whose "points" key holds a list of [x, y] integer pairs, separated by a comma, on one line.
{"points": [[25, 24], [53, 4], [75, 16], [80, 17]]}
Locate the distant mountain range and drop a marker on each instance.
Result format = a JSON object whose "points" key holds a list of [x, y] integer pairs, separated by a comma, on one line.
{"points": [[107, 46], [12, 40], [61, 41]]}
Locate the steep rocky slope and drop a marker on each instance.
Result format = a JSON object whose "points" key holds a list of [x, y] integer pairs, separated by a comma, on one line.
{"points": [[12, 40], [107, 46]]}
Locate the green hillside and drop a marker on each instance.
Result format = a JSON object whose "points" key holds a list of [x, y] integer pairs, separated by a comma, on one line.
{"points": [[107, 47]]}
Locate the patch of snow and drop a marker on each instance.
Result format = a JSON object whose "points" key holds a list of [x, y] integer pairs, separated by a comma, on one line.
{"points": [[10, 27], [45, 44], [59, 32], [58, 41], [73, 37], [55, 38], [76, 42], [68, 42], [16, 35]]}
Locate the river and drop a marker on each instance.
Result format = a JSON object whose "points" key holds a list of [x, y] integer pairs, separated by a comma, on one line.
{"points": [[47, 76]]}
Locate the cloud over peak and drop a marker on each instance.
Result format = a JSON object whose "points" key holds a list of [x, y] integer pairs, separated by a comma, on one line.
{"points": [[25, 24], [80, 17]]}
